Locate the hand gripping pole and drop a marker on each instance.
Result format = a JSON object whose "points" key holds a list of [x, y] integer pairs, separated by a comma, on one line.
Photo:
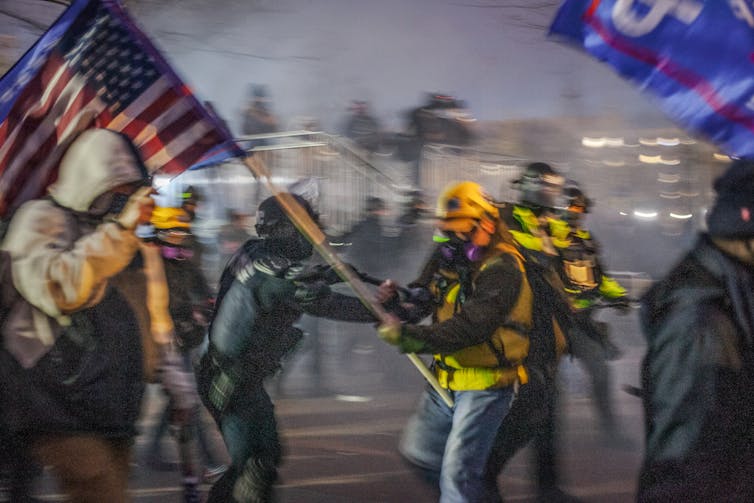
{"points": [[314, 234]]}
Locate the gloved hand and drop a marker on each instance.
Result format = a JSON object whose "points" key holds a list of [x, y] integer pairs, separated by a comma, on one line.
{"points": [[390, 330], [386, 291], [138, 209]]}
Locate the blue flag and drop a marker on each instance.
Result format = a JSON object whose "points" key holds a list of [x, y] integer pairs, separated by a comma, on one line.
{"points": [[95, 68], [696, 56]]}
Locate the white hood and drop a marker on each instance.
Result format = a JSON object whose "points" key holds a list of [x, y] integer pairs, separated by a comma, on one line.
{"points": [[97, 161]]}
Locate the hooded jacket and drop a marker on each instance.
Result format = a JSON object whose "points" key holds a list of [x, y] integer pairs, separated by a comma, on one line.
{"points": [[73, 359], [698, 380]]}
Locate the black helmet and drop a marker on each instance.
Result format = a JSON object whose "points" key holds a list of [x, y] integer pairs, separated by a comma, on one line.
{"points": [[274, 225], [270, 215], [574, 200], [540, 186]]}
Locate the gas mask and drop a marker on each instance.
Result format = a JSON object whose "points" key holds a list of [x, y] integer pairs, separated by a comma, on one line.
{"points": [[109, 203], [457, 250], [285, 240], [471, 249]]}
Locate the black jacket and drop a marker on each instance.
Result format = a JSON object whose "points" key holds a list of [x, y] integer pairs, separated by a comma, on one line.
{"points": [[698, 380], [261, 296]]}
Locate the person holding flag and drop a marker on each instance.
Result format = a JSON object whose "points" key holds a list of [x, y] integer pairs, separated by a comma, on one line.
{"points": [[72, 360], [92, 69]]}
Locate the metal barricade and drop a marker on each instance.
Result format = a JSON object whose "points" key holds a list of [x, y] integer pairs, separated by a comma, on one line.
{"points": [[443, 164]]}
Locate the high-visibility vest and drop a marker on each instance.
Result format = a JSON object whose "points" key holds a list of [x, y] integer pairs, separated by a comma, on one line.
{"points": [[498, 362]]}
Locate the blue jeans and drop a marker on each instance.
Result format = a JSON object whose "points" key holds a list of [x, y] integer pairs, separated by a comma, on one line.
{"points": [[452, 445]]}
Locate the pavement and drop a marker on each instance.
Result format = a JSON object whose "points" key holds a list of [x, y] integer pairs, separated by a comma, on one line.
{"points": [[342, 404]]}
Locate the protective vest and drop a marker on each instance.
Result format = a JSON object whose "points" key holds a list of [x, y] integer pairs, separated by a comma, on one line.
{"points": [[498, 362], [582, 272]]}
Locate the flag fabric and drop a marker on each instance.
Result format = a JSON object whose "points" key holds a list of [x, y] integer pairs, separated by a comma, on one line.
{"points": [[695, 56], [95, 68]]}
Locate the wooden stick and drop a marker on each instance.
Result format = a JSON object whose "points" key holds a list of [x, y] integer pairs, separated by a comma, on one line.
{"points": [[314, 234]]}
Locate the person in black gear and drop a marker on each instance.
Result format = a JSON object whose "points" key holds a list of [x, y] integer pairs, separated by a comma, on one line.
{"points": [[698, 373], [362, 127], [587, 287], [532, 416], [264, 290]]}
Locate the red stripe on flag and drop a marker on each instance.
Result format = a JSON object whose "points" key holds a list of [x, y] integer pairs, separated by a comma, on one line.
{"points": [[192, 154], [22, 178], [32, 93], [169, 133], [154, 110], [683, 76], [591, 9], [84, 97], [28, 121]]}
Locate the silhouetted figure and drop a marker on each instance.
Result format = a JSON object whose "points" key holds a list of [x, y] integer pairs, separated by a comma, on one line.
{"points": [[698, 372]]}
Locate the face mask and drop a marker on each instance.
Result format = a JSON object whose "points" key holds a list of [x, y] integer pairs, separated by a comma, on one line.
{"points": [[118, 203], [176, 253], [109, 203], [455, 249]]}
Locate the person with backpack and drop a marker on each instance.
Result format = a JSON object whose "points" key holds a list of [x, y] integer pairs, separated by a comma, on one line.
{"points": [[476, 287], [90, 308], [588, 287], [533, 415]]}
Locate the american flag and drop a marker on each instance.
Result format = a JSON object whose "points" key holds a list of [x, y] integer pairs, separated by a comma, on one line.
{"points": [[95, 68]]}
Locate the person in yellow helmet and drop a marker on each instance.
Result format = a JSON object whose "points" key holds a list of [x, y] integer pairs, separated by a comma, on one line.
{"points": [[482, 337]]}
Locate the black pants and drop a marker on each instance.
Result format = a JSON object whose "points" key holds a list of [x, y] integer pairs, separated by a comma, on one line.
{"points": [[531, 418], [249, 430]]}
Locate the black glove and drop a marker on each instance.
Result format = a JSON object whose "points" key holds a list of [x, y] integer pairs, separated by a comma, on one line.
{"points": [[309, 292]]}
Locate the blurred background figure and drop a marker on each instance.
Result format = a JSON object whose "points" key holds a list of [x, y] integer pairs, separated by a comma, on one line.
{"points": [[442, 119], [258, 116], [362, 127], [190, 307]]}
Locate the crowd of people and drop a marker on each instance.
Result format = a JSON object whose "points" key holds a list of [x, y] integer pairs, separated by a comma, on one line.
{"points": [[99, 308]]}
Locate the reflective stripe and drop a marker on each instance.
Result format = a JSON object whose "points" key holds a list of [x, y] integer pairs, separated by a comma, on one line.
{"points": [[478, 379]]}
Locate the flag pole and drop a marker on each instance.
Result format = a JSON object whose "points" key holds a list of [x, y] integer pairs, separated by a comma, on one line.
{"points": [[314, 234]]}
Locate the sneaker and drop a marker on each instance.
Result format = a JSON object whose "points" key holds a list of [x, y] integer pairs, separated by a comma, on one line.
{"points": [[213, 473]]}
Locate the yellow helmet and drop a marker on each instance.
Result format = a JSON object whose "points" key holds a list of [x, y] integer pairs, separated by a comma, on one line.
{"points": [[172, 225], [462, 205], [170, 218]]}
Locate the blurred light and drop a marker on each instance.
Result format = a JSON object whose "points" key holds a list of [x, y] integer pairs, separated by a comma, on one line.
{"points": [[601, 142], [721, 157], [670, 195], [668, 178], [665, 142], [657, 159], [623, 213], [593, 142], [681, 216], [613, 163], [645, 214], [668, 142]]}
